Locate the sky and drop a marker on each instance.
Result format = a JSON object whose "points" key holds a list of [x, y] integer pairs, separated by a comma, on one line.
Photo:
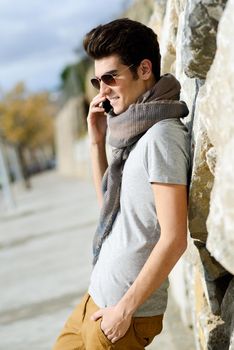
{"points": [[38, 38]]}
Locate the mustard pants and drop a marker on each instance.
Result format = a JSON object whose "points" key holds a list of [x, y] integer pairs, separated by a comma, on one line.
{"points": [[81, 333]]}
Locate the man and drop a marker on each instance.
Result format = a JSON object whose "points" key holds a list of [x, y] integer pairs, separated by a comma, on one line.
{"points": [[142, 193]]}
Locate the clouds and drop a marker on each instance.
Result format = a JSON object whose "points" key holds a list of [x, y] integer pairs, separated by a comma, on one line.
{"points": [[38, 37]]}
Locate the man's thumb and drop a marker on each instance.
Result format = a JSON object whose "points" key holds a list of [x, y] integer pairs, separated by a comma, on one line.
{"points": [[97, 315]]}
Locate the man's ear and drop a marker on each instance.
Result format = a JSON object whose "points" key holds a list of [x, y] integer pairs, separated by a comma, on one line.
{"points": [[145, 69]]}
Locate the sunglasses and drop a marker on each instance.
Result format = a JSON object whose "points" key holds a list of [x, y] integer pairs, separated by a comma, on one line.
{"points": [[108, 79]]}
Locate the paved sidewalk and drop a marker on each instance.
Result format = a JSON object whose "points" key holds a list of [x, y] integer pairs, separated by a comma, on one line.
{"points": [[45, 263]]}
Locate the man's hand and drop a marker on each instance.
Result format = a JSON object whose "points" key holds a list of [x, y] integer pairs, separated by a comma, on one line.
{"points": [[97, 123], [114, 324]]}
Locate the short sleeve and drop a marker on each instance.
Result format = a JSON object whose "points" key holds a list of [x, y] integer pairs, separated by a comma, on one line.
{"points": [[167, 152]]}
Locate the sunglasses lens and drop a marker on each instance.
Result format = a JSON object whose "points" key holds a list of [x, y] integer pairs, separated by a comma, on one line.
{"points": [[95, 82], [108, 79]]}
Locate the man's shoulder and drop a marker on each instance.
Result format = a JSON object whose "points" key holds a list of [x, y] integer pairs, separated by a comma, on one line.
{"points": [[167, 127]]}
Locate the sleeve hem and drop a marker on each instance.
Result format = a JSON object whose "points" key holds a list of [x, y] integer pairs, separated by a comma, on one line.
{"points": [[169, 181]]}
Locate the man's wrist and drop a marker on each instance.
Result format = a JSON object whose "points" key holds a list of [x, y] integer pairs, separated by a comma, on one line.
{"points": [[126, 307], [98, 144]]}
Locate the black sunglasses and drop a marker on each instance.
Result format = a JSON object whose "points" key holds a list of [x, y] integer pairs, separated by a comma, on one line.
{"points": [[108, 79]]}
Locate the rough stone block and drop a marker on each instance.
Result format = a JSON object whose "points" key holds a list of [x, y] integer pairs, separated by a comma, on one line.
{"points": [[212, 268], [211, 157], [168, 38], [189, 87], [227, 312], [216, 111], [156, 20], [140, 10], [202, 18], [210, 328], [201, 184]]}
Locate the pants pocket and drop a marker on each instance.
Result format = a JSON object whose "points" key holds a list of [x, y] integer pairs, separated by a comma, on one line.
{"points": [[146, 328], [103, 338]]}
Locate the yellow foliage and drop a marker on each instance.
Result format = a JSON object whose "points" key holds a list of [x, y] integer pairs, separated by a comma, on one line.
{"points": [[26, 119]]}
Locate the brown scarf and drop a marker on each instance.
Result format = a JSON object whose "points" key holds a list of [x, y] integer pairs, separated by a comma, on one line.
{"points": [[159, 103]]}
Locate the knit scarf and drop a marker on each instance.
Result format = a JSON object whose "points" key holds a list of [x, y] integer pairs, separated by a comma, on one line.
{"points": [[159, 103]]}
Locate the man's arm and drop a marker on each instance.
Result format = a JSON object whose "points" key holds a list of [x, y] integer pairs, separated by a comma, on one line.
{"points": [[99, 165], [97, 126], [171, 207]]}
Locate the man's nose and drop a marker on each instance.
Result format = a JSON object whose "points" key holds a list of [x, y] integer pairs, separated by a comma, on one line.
{"points": [[104, 89]]}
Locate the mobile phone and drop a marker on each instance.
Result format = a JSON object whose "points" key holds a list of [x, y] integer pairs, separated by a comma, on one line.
{"points": [[106, 105]]}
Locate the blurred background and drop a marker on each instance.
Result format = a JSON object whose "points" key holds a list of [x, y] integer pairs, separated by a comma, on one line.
{"points": [[48, 209], [43, 66]]}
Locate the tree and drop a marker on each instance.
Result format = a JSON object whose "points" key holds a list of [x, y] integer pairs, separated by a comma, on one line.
{"points": [[26, 120]]}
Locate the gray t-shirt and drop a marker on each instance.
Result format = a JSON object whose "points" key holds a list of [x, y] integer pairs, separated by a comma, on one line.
{"points": [[161, 155]]}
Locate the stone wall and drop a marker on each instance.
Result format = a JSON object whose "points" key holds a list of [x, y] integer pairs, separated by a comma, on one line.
{"points": [[196, 45]]}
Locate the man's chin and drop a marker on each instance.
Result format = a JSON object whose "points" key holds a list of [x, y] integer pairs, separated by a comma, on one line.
{"points": [[118, 111]]}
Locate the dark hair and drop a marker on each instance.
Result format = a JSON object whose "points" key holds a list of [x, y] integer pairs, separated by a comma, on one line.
{"points": [[132, 41]]}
